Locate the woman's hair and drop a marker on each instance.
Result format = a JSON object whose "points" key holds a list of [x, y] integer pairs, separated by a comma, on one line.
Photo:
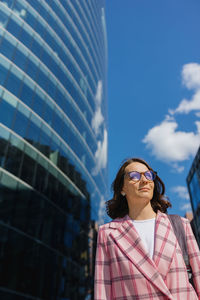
{"points": [[117, 207]]}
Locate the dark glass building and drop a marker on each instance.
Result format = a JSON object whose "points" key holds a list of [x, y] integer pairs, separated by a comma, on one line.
{"points": [[193, 183], [53, 146]]}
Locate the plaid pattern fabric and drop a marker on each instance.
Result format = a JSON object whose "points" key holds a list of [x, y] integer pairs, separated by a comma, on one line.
{"points": [[125, 271]]}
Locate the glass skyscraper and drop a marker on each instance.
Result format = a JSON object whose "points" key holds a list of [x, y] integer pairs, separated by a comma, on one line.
{"points": [[193, 183], [53, 146]]}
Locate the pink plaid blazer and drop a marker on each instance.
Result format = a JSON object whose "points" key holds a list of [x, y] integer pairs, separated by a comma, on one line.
{"points": [[125, 271]]}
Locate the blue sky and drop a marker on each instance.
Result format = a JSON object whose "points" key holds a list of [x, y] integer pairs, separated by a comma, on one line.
{"points": [[154, 88]]}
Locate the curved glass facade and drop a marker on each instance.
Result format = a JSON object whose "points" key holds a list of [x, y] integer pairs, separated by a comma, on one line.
{"points": [[53, 146]]}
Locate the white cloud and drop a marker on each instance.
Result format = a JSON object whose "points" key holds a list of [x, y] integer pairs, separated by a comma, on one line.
{"points": [[191, 79], [191, 76], [187, 106], [181, 191], [198, 114], [99, 91], [101, 211], [96, 123], [101, 154], [98, 118], [186, 207], [164, 140], [177, 168], [170, 145]]}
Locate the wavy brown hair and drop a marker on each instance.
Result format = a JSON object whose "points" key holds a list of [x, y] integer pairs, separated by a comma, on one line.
{"points": [[117, 207]]}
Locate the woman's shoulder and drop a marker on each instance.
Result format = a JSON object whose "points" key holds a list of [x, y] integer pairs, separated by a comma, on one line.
{"points": [[104, 226], [113, 223], [166, 216]]}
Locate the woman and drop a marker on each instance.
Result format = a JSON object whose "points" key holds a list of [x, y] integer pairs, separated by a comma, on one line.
{"points": [[138, 256]]}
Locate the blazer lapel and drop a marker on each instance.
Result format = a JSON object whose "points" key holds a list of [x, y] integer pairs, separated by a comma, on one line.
{"points": [[165, 244], [128, 240]]}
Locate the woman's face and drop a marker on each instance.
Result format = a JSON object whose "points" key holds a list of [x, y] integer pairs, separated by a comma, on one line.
{"points": [[140, 191]]}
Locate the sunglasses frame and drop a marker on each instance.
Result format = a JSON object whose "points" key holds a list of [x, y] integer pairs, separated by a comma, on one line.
{"points": [[142, 173]]}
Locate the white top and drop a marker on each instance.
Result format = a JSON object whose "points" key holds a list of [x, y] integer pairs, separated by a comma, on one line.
{"points": [[146, 231]]}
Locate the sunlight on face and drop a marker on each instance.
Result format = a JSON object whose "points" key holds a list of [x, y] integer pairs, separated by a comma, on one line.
{"points": [[139, 191]]}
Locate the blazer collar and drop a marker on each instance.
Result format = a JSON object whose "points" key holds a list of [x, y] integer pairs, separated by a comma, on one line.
{"points": [[128, 240], [165, 244]]}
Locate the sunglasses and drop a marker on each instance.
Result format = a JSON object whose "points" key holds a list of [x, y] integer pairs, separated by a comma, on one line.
{"points": [[136, 176]]}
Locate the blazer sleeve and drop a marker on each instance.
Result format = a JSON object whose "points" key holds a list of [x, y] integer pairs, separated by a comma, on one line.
{"points": [[194, 256], [102, 283]]}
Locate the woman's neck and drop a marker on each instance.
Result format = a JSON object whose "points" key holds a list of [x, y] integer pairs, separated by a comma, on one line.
{"points": [[142, 213]]}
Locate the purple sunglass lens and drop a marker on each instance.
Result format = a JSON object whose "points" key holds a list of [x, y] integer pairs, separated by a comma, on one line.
{"points": [[135, 175], [150, 175]]}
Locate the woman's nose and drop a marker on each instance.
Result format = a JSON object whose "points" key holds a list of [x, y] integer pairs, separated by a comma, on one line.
{"points": [[143, 178]]}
